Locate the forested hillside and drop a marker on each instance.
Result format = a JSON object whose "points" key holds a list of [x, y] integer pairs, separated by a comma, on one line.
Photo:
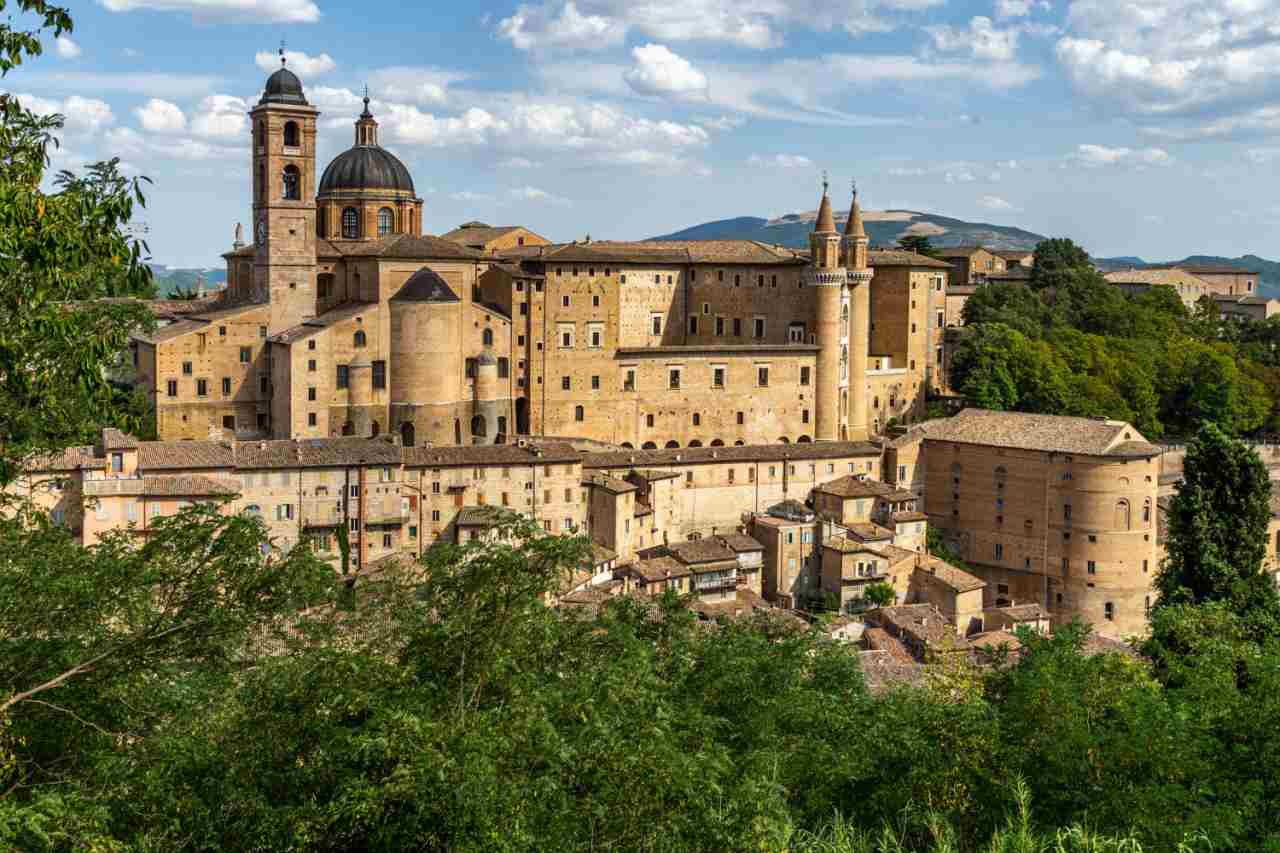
{"points": [[1070, 343]]}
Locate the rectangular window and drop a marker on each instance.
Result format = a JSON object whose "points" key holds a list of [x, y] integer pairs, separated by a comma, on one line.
{"points": [[595, 383], [758, 327], [941, 319], [246, 354], [1109, 611], [564, 300], [804, 375], [226, 385], [999, 551], [186, 368], [629, 380], [655, 322], [1092, 567], [344, 376], [229, 422], [737, 327], [742, 418], [386, 540], [693, 324], [795, 333], [673, 377], [717, 377], [504, 368], [597, 338], [762, 377], [311, 395], [566, 340], [311, 365], [524, 309], [222, 331], [720, 327], [171, 387], [566, 383], [311, 419], [117, 463], [379, 374], [202, 387], [1066, 512]]}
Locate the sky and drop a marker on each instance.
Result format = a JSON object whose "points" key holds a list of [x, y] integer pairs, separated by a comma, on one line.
{"points": [[1135, 127]]}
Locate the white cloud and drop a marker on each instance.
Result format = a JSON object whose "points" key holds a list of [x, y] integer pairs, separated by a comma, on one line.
{"points": [[659, 71], [721, 123], [533, 194], [258, 11], [781, 161], [1263, 121], [1262, 156], [298, 62], [129, 142], [1173, 57], [81, 115], [221, 116], [517, 163], [66, 48], [1095, 156], [906, 172], [426, 86], [1018, 8], [753, 24], [959, 176], [407, 123], [982, 40], [995, 203], [160, 116], [467, 195], [539, 27], [131, 53]]}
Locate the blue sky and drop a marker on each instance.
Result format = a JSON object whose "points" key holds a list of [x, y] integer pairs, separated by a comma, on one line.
{"points": [[1137, 127]]}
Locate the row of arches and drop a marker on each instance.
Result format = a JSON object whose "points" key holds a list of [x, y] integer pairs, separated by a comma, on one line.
{"points": [[715, 442]]}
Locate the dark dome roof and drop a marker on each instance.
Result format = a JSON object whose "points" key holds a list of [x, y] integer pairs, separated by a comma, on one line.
{"points": [[283, 87], [366, 167]]}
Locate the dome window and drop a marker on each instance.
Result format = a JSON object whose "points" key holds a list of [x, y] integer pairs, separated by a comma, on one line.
{"points": [[350, 223], [386, 221], [291, 134], [292, 186]]}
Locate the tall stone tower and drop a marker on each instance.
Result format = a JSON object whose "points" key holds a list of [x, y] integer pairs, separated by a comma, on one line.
{"points": [[284, 210], [859, 275], [827, 275]]}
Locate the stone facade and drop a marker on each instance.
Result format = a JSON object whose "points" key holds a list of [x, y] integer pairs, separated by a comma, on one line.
{"points": [[357, 324], [1055, 511]]}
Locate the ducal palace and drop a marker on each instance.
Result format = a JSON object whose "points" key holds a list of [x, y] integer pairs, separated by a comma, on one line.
{"points": [[343, 318]]}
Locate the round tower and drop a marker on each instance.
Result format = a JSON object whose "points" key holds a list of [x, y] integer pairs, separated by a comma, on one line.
{"points": [[426, 365], [485, 410], [827, 276], [859, 273]]}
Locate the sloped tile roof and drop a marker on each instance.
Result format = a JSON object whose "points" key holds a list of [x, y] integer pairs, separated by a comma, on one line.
{"points": [[897, 258], [162, 455], [398, 247], [740, 542], [851, 486], [334, 315], [188, 485], [701, 551], [955, 579], [492, 454], [1022, 431], [745, 453]]}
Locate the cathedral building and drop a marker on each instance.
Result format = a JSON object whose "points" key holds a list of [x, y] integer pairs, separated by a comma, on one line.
{"points": [[343, 318]]}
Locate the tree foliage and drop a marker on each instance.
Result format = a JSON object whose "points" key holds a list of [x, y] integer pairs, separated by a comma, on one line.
{"points": [[64, 253]]}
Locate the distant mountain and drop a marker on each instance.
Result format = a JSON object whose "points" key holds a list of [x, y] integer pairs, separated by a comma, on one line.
{"points": [[1268, 271], [170, 280], [884, 227]]}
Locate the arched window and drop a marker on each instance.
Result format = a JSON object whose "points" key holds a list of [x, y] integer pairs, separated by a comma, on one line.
{"points": [[406, 434], [672, 445], [386, 221], [804, 439], [627, 445], [487, 337], [291, 134], [739, 443], [1146, 511], [375, 429], [291, 188], [359, 338], [253, 510], [350, 223], [348, 428], [1122, 514], [479, 428], [649, 445], [715, 442], [783, 440], [695, 443]]}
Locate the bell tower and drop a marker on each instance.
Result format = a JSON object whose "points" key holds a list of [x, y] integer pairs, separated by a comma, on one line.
{"points": [[827, 277], [284, 211]]}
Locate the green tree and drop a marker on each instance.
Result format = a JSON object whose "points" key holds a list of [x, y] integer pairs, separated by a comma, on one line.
{"points": [[62, 252], [880, 594], [918, 243], [1218, 529], [1015, 305]]}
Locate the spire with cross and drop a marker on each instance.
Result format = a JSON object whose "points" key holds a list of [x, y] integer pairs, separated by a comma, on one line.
{"points": [[283, 59], [825, 181]]}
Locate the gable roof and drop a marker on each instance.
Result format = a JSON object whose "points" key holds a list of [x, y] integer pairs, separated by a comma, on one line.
{"points": [[402, 246], [1172, 276], [898, 258], [1052, 433], [852, 486], [425, 285]]}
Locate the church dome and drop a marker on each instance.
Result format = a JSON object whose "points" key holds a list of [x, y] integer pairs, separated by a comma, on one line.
{"points": [[283, 87], [366, 167]]}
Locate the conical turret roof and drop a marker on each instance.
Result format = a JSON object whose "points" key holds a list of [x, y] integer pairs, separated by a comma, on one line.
{"points": [[854, 227], [826, 224]]}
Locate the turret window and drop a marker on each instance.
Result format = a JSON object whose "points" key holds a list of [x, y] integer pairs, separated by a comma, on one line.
{"points": [[350, 223], [291, 189], [291, 134], [386, 221]]}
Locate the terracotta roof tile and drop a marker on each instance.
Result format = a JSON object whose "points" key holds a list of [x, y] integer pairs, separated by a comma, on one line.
{"points": [[493, 454], [701, 551], [162, 455], [896, 258], [1019, 430], [745, 453], [188, 485], [740, 542], [956, 579], [852, 486], [1171, 276]]}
